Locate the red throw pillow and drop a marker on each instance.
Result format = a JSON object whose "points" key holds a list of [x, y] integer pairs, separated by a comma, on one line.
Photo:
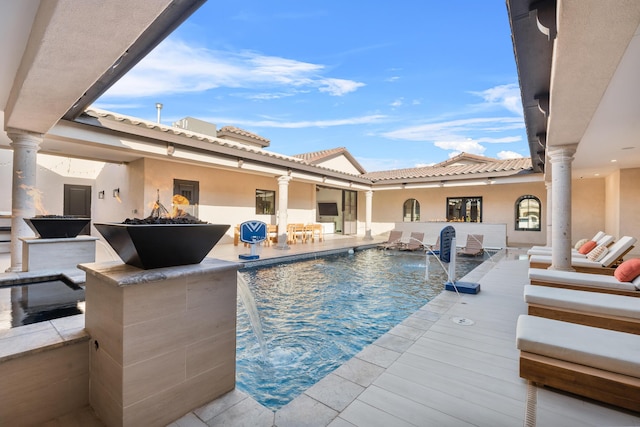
{"points": [[587, 247], [628, 270]]}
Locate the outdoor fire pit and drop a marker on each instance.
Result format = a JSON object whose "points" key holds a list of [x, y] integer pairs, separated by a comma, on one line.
{"points": [[57, 226], [163, 239]]}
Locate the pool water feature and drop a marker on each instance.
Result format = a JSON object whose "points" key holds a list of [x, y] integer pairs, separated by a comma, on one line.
{"points": [[317, 314]]}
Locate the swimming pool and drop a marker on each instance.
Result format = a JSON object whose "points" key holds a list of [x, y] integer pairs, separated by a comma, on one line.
{"points": [[317, 314]]}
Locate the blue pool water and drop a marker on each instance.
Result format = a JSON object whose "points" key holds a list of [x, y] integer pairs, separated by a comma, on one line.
{"points": [[317, 314]]}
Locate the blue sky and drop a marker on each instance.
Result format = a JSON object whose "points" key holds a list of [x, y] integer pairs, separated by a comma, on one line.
{"points": [[400, 84]]}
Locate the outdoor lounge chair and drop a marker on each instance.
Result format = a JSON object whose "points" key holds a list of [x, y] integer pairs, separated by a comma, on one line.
{"points": [[393, 241], [414, 243], [615, 312], [534, 249], [473, 246], [596, 363], [605, 266], [606, 240], [603, 283]]}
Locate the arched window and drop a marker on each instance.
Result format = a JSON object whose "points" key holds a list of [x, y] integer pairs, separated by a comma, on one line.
{"points": [[411, 210], [528, 215]]}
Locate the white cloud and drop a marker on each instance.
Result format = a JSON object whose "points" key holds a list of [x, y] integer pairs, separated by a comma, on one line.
{"points": [[455, 130], [397, 103], [467, 146], [506, 96], [300, 124], [175, 67], [503, 155], [339, 87]]}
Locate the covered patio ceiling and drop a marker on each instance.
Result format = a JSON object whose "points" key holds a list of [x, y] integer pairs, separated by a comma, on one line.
{"points": [[58, 56], [578, 63]]}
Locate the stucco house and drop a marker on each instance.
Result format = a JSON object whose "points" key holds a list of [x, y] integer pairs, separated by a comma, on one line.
{"points": [[232, 171]]}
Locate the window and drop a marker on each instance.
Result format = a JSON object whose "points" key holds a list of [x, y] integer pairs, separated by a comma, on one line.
{"points": [[411, 211], [265, 202], [464, 209], [528, 213], [189, 190]]}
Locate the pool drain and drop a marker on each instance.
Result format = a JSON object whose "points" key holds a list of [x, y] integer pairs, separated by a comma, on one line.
{"points": [[462, 321]]}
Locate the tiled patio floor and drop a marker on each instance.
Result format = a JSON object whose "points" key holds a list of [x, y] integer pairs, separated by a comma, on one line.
{"points": [[431, 370]]}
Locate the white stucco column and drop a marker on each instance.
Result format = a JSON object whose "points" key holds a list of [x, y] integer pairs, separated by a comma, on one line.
{"points": [[283, 207], [561, 158], [368, 208], [549, 211], [23, 189]]}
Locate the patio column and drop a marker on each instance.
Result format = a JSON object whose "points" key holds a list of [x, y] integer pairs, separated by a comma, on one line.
{"points": [[368, 207], [283, 206], [561, 158], [549, 211], [23, 189]]}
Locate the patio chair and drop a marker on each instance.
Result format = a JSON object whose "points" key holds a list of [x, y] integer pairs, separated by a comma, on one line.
{"points": [[414, 243], [606, 265], [393, 241], [596, 363], [473, 247], [581, 281], [607, 311], [435, 248]]}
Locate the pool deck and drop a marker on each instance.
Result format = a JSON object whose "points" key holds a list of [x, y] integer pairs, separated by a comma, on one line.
{"points": [[432, 369]]}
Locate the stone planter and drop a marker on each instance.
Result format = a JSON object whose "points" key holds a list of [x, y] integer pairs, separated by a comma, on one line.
{"points": [[150, 246], [53, 227]]}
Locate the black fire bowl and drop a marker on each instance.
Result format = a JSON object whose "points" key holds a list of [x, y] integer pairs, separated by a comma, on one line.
{"points": [[150, 246], [57, 227]]}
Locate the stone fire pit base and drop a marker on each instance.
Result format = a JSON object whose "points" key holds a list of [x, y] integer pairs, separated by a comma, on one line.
{"points": [[163, 341]]}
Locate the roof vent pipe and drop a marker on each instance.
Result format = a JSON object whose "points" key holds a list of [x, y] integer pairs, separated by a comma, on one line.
{"points": [[159, 108]]}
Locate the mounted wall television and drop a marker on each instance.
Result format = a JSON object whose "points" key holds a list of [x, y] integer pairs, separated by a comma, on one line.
{"points": [[328, 209]]}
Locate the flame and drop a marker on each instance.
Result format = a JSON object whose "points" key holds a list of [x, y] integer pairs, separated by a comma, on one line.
{"points": [[36, 195], [177, 201]]}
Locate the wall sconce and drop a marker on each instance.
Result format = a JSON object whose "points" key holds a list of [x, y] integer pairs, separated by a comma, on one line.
{"points": [[240, 163], [170, 149], [101, 194], [116, 193]]}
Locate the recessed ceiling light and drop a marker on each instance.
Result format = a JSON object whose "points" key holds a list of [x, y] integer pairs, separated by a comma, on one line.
{"points": [[613, 161], [596, 174]]}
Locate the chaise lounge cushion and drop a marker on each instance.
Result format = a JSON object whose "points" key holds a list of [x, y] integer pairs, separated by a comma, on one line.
{"points": [[587, 247], [628, 270], [583, 301], [581, 279], [604, 349]]}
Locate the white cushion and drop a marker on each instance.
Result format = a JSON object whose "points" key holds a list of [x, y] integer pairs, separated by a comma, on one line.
{"points": [[611, 351], [583, 301], [580, 279]]}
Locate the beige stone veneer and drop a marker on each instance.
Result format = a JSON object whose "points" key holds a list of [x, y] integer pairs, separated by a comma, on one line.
{"points": [[162, 341]]}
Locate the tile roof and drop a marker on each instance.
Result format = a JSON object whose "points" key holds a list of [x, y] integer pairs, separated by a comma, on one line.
{"points": [[237, 131], [450, 169], [463, 166], [174, 130], [319, 156]]}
